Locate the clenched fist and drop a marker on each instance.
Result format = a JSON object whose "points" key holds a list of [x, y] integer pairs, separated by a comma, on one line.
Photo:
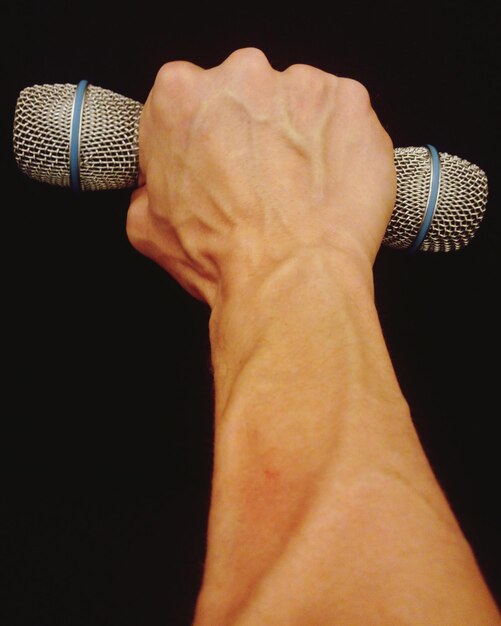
{"points": [[243, 166]]}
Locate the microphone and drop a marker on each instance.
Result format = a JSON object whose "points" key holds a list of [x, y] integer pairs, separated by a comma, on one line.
{"points": [[87, 138]]}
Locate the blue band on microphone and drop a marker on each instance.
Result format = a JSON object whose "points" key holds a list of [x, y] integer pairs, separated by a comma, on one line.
{"points": [[432, 199], [76, 124]]}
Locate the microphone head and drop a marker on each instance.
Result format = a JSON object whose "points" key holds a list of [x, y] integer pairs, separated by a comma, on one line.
{"points": [[109, 144], [461, 204]]}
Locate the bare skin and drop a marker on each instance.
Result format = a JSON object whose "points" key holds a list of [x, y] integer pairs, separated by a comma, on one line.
{"points": [[267, 194]]}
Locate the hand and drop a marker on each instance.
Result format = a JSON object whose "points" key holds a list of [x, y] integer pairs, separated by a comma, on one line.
{"points": [[243, 166]]}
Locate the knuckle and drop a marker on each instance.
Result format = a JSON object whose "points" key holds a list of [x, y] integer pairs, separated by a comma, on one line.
{"points": [[356, 92], [386, 140], [308, 77], [173, 72], [249, 58], [308, 84], [301, 70], [172, 79]]}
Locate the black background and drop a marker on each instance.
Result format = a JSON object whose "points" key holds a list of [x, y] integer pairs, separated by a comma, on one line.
{"points": [[107, 413]]}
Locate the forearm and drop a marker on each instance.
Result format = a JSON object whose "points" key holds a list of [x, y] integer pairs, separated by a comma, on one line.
{"points": [[324, 509], [321, 491]]}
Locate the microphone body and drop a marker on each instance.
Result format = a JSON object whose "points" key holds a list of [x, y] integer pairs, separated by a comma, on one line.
{"points": [[87, 138]]}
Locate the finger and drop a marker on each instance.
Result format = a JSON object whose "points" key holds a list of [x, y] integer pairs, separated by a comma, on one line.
{"points": [[137, 225]]}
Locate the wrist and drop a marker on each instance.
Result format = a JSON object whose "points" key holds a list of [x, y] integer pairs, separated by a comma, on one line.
{"points": [[313, 311], [313, 281], [256, 264]]}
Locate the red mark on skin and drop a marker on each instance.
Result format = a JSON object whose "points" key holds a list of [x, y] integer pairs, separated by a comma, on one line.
{"points": [[271, 474]]}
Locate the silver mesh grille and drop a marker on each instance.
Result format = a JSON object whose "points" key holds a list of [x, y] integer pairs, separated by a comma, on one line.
{"points": [[109, 155], [42, 133], [461, 202]]}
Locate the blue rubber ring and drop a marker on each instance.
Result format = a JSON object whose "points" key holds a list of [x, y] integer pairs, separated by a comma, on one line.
{"points": [[432, 199], [76, 123]]}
